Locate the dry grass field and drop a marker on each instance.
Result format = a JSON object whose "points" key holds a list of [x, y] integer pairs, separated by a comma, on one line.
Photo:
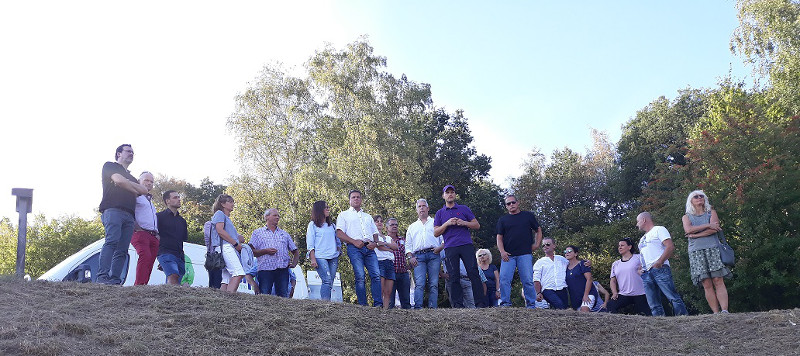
{"points": [[65, 318]]}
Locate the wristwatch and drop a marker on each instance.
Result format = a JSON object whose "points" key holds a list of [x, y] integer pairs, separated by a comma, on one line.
{"points": [[236, 244]]}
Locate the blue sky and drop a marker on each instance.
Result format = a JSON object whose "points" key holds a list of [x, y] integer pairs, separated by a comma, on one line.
{"points": [[79, 78]]}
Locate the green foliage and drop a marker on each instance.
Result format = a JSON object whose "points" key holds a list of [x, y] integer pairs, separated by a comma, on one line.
{"points": [[656, 136], [747, 155], [768, 37], [49, 242]]}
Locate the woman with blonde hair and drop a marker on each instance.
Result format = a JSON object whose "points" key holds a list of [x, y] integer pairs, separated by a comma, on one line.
{"points": [[489, 270], [225, 236], [701, 226]]}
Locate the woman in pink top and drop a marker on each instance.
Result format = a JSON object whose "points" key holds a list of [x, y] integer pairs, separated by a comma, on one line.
{"points": [[626, 280]]}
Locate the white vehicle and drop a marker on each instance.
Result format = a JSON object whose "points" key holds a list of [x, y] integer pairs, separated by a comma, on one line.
{"points": [[82, 267]]}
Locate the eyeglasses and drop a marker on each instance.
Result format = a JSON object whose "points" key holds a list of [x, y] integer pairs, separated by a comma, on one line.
{"points": [[699, 196], [392, 224], [511, 202], [568, 251]]}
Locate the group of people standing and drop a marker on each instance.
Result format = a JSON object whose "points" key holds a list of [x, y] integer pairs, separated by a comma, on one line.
{"points": [[129, 217], [433, 246]]}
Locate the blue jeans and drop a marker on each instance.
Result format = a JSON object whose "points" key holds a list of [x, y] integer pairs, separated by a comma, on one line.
{"points": [[523, 263], [467, 292], [558, 299], [427, 264], [326, 268], [118, 224], [279, 278], [171, 264], [660, 279], [360, 258], [402, 285]]}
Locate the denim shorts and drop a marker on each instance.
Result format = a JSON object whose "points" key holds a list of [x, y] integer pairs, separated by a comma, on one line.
{"points": [[386, 268], [171, 264]]}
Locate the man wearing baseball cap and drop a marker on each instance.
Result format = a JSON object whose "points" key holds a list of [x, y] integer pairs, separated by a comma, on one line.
{"points": [[453, 222]]}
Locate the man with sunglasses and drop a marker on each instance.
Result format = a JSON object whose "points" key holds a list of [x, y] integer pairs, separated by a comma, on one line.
{"points": [[453, 222], [550, 275], [515, 240], [656, 247]]}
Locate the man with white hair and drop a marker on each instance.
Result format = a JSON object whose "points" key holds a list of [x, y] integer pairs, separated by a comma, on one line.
{"points": [[422, 251], [145, 231], [271, 246]]}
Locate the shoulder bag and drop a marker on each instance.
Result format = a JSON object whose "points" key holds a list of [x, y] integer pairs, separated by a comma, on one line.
{"points": [[725, 250]]}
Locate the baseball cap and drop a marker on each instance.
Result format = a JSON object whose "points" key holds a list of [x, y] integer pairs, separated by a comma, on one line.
{"points": [[448, 187]]}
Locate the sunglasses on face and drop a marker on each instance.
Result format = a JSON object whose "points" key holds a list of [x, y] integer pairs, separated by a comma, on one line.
{"points": [[547, 244], [509, 203], [392, 224], [699, 196], [483, 254], [567, 251]]}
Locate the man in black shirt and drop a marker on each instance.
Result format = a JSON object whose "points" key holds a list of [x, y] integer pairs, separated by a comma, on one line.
{"points": [[516, 244], [120, 190], [173, 231]]}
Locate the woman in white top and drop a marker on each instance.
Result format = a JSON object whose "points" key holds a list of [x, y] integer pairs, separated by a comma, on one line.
{"points": [[323, 246], [225, 235], [385, 263]]}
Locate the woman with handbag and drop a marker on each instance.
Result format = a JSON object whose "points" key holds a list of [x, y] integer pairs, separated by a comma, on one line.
{"points": [[225, 235], [701, 225]]}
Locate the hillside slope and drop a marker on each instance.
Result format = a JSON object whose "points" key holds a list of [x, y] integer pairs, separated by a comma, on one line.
{"points": [[47, 318]]}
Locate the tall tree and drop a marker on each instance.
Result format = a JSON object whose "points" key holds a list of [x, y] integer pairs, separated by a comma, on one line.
{"points": [[768, 37], [346, 123]]}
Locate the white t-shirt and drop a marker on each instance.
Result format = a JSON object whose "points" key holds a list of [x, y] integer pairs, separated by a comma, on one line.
{"points": [[651, 245], [384, 255]]}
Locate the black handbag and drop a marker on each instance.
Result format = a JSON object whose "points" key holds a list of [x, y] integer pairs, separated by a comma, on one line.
{"points": [[214, 259], [725, 250]]}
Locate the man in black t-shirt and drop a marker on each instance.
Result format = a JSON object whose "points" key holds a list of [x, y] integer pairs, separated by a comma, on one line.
{"points": [[515, 240], [117, 207]]}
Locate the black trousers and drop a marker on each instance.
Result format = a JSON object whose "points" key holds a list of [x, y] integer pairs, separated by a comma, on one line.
{"points": [[465, 253], [639, 303]]}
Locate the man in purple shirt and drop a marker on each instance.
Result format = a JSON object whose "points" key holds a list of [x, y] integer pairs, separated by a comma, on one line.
{"points": [[453, 223]]}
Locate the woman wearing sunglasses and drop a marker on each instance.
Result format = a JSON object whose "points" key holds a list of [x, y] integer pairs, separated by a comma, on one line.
{"points": [[582, 293], [626, 281], [701, 225], [492, 276]]}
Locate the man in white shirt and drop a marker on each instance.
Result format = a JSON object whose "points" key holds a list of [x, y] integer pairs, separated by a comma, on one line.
{"points": [[422, 251], [656, 247], [145, 237], [358, 230], [549, 276]]}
